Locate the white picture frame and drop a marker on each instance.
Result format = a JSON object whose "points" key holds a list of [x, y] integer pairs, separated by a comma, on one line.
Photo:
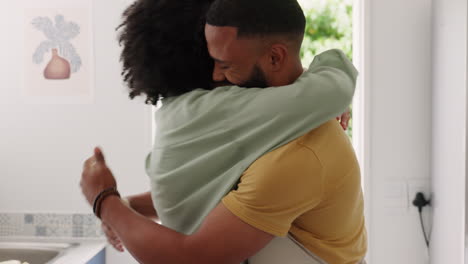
{"points": [[58, 52]]}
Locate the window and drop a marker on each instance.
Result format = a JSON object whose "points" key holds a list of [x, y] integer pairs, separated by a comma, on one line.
{"points": [[329, 25]]}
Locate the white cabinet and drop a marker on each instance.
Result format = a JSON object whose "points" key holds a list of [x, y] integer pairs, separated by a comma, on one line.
{"points": [[100, 258]]}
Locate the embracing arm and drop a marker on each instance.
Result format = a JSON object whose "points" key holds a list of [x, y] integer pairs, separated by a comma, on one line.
{"points": [[322, 93], [278, 114], [274, 116], [223, 237], [325, 90]]}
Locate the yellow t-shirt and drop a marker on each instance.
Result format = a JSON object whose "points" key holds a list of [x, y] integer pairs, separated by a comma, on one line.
{"points": [[310, 188]]}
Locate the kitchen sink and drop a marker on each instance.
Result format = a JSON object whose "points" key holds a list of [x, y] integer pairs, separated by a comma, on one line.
{"points": [[32, 253]]}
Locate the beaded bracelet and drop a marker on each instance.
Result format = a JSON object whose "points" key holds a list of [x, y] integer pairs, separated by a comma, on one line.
{"points": [[100, 197]]}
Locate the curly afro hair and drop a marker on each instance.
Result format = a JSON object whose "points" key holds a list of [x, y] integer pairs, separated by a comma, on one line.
{"points": [[164, 48]]}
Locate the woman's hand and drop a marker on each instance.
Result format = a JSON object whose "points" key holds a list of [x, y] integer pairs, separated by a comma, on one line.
{"points": [[344, 119], [96, 176], [112, 237]]}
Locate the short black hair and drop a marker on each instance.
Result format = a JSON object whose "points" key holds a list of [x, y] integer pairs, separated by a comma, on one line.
{"points": [[164, 48], [261, 18]]}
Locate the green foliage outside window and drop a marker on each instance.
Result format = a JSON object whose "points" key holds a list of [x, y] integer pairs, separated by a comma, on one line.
{"points": [[329, 25]]}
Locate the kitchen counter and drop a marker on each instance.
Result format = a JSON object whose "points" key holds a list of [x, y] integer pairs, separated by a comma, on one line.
{"points": [[82, 251]]}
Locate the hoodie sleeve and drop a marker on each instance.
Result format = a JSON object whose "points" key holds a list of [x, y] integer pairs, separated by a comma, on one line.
{"points": [[321, 93]]}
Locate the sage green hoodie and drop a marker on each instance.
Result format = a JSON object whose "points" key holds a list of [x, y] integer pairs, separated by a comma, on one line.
{"points": [[206, 139]]}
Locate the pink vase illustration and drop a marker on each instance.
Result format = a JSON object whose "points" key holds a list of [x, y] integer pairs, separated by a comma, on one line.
{"points": [[58, 68]]}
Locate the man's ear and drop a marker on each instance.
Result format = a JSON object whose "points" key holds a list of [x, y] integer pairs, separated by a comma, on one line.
{"points": [[277, 56]]}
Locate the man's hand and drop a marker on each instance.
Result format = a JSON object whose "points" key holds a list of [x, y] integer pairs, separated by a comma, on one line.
{"points": [[112, 237], [344, 119], [96, 176]]}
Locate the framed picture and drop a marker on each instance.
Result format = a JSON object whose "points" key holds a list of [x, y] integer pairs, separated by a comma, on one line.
{"points": [[59, 59]]}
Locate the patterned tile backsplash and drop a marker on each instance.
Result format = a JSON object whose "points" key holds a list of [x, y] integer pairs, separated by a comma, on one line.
{"points": [[50, 225]]}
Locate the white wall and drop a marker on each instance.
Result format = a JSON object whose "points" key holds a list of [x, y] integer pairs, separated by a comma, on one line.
{"points": [[42, 147], [397, 71], [449, 130]]}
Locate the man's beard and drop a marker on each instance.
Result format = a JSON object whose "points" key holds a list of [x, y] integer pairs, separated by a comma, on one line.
{"points": [[257, 79]]}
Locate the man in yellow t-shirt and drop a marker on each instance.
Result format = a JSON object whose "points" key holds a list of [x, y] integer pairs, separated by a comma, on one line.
{"points": [[310, 188]]}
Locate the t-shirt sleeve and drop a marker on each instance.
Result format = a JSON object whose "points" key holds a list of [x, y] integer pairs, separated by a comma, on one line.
{"points": [[277, 189]]}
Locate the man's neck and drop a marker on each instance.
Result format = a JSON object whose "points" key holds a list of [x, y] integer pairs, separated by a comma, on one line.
{"points": [[298, 71]]}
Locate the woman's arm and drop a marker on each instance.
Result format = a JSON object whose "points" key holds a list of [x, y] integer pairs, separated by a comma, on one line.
{"points": [[322, 93]]}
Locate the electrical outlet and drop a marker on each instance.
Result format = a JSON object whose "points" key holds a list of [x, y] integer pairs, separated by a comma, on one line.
{"points": [[417, 185]]}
